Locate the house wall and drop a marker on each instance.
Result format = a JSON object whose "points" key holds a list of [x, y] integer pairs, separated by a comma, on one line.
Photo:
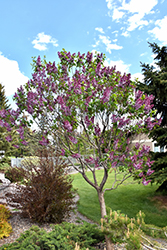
{"points": [[144, 140]]}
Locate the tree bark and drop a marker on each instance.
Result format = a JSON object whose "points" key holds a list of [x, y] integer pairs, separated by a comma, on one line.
{"points": [[109, 244]]}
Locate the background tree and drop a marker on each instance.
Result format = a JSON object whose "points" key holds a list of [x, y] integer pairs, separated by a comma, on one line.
{"points": [[82, 100], [155, 82], [6, 148]]}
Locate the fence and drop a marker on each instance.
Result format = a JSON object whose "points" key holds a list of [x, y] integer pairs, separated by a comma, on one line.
{"points": [[16, 162]]}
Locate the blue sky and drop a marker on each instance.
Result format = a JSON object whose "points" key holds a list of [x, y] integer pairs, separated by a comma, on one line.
{"points": [[118, 28]]}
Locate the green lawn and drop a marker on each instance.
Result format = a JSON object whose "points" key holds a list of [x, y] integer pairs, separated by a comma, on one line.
{"points": [[130, 199]]}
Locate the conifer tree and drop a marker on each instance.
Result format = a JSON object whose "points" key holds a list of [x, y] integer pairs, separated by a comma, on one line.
{"points": [[5, 145], [155, 82]]}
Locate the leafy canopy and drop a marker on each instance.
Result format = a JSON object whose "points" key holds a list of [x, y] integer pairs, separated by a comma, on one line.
{"points": [[82, 102]]}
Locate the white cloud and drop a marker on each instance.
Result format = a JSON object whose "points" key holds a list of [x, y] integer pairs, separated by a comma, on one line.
{"points": [[115, 40], [137, 76], [41, 41], [136, 21], [143, 54], [11, 77], [137, 9], [100, 30], [109, 4], [160, 30], [109, 45], [120, 65], [117, 14], [96, 44], [125, 33], [139, 6]]}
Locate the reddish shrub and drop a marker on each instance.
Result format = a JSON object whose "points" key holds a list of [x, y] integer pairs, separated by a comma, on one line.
{"points": [[47, 193]]}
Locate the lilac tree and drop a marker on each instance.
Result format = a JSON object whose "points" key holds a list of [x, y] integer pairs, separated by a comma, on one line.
{"points": [[82, 103]]}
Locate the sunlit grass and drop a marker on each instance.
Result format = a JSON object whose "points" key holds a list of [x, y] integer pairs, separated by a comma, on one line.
{"points": [[130, 199]]}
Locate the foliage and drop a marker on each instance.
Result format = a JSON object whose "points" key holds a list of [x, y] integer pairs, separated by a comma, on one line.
{"points": [[14, 174], [122, 229], [30, 160], [155, 82], [5, 227], [63, 236], [5, 146], [47, 191]]}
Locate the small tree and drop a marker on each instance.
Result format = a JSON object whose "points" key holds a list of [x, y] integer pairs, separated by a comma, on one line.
{"points": [[91, 106]]}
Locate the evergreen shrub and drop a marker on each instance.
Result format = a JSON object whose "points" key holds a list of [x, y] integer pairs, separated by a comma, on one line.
{"points": [[5, 227], [63, 236]]}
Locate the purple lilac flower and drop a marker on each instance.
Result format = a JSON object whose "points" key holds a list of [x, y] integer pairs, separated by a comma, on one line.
{"points": [[106, 95], [90, 160], [8, 138], [138, 165], [141, 174], [67, 126], [38, 61], [149, 172], [114, 164], [77, 156], [137, 145], [24, 143], [62, 152], [44, 141], [145, 183], [1, 123], [73, 140], [2, 113], [97, 130]]}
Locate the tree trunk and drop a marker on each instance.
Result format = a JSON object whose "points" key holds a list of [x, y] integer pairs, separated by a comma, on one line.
{"points": [[109, 244]]}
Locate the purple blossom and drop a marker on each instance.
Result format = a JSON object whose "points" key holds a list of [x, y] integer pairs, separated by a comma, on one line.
{"points": [[67, 126], [77, 156], [137, 166], [97, 130], [106, 95], [44, 141], [62, 152], [111, 155], [114, 164], [122, 158], [149, 172], [133, 158], [137, 145], [97, 162], [1, 123], [73, 140], [90, 160], [16, 146], [141, 174], [145, 183], [8, 138], [24, 143], [3, 113], [88, 121], [38, 62]]}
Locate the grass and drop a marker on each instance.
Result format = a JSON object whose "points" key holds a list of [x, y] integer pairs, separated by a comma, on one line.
{"points": [[130, 199]]}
